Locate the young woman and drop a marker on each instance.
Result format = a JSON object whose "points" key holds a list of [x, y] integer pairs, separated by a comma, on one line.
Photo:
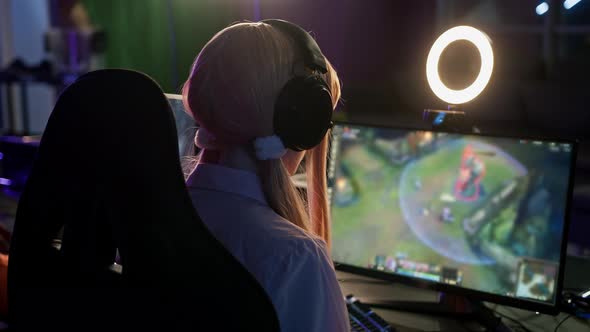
{"points": [[241, 186]]}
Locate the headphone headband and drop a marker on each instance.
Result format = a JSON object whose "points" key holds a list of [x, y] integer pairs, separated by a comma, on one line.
{"points": [[312, 54], [303, 109]]}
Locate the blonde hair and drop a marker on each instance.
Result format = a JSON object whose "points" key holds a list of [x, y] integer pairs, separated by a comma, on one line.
{"points": [[231, 91]]}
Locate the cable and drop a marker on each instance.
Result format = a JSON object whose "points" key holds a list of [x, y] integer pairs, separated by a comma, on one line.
{"points": [[562, 321]]}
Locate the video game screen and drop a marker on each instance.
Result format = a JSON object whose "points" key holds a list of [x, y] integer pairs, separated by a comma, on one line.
{"points": [[484, 213]]}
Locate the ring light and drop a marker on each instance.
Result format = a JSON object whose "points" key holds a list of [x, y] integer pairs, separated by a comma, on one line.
{"points": [[482, 43]]}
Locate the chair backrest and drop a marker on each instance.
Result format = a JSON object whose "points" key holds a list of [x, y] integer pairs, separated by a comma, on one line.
{"points": [[108, 176]]}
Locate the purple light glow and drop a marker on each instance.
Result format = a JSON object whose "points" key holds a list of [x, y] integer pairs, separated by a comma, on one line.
{"points": [[5, 182], [257, 12], [73, 50]]}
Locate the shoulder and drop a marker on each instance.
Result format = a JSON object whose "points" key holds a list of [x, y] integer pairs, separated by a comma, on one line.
{"points": [[291, 264], [301, 282], [287, 248], [299, 273], [300, 248], [254, 231]]}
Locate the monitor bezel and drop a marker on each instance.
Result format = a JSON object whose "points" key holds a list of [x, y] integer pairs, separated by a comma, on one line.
{"points": [[532, 305], [173, 96]]}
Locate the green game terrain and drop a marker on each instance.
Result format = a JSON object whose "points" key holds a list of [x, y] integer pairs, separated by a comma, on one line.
{"points": [[364, 229], [439, 180], [373, 212]]}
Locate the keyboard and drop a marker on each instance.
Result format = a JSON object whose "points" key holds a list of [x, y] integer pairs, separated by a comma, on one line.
{"points": [[363, 319]]}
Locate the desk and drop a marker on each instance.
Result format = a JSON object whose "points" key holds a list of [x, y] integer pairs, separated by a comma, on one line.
{"points": [[408, 322]]}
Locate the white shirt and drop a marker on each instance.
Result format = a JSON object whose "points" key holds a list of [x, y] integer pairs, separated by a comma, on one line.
{"points": [[292, 266]]}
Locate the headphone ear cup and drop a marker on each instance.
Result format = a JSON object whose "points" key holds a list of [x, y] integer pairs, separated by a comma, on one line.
{"points": [[303, 112]]}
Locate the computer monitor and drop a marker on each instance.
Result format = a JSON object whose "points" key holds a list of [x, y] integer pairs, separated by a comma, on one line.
{"points": [[185, 126], [484, 217]]}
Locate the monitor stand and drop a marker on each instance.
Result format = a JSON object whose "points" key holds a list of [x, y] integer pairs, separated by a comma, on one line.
{"points": [[452, 306]]}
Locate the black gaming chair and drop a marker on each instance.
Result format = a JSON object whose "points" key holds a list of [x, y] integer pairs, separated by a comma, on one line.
{"points": [[108, 176]]}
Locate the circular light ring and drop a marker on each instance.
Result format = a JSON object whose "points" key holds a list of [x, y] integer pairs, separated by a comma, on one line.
{"points": [[482, 43]]}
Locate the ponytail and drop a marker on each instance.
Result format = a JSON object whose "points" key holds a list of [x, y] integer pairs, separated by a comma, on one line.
{"points": [[287, 201], [317, 188], [282, 195]]}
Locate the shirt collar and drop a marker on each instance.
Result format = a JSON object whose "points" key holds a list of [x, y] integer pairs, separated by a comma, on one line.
{"points": [[226, 179]]}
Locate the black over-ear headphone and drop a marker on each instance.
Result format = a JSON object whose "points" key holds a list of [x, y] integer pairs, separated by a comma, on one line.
{"points": [[303, 109]]}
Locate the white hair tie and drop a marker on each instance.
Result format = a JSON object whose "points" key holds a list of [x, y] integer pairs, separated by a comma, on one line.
{"points": [[269, 147], [204, 139]]}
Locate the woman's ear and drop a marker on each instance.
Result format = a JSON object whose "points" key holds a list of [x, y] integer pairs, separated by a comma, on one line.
{"points": [[292, 159]]}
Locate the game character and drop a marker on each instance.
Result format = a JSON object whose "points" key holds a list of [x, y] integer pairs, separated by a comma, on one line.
{"points": [[447, 215], [472, 170], [390, 263]]}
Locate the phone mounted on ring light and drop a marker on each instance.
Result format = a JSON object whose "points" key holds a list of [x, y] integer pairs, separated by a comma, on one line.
{"points": [[452, 119]]}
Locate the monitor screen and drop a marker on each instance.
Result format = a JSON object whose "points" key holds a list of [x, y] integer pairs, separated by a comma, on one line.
{"points": [[185, 126], [476, 212]]}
